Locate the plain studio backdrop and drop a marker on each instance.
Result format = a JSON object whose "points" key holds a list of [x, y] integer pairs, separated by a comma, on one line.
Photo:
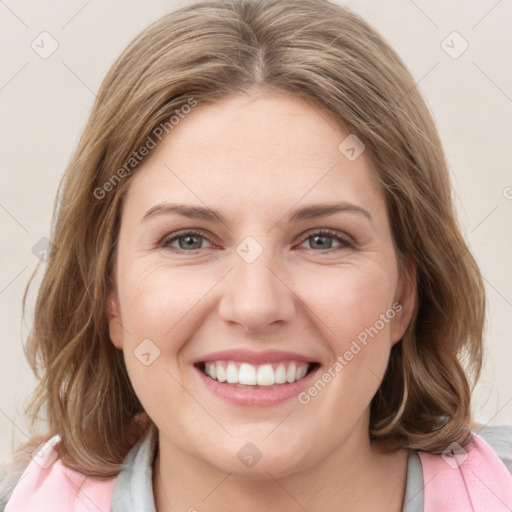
{"points": [[56, 54]]}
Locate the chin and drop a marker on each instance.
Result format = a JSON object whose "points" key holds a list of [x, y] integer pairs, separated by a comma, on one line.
{"points": [[258, 460]]}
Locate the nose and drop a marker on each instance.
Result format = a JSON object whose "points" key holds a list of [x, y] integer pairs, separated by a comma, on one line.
{"points": [[256, 296]]}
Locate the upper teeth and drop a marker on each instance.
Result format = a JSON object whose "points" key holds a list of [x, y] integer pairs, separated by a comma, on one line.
{"points": [[261, 375]]}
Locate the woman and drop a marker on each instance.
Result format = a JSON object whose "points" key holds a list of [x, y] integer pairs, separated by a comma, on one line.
{"points": [[258, 293]]}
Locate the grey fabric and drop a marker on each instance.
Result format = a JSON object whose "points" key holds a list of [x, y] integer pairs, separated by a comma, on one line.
{"points": [[133, 486], [413, 500]]}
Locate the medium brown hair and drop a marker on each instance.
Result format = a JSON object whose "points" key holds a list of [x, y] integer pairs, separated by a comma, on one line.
{"points": [[329, 56]]}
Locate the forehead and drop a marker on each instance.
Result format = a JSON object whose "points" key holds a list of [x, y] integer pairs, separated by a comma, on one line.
{"points": [[257, 151]]}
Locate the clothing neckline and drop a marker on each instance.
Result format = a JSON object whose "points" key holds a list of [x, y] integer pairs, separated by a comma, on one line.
{"points": [[133, 486]]}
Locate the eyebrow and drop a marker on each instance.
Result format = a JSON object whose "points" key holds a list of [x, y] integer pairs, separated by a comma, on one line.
{"points": [[309, 211]]}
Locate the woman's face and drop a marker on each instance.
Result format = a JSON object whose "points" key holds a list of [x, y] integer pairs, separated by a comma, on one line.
{"points": [[261, 296]]}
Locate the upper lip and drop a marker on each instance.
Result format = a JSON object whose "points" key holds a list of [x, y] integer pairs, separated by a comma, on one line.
{"points": [[248, 356]]}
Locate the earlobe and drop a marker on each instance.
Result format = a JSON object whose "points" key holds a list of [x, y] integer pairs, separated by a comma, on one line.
{"points": [[114, 320], [406, 297]]}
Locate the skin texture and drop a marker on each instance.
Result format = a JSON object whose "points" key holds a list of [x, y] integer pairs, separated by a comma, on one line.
{"points": [[255, 158]]}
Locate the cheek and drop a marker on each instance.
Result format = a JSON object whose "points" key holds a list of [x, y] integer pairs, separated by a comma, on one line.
{"points": [[156, 306], [157, 302], [355, 308], [349, 301], [356, 311]]}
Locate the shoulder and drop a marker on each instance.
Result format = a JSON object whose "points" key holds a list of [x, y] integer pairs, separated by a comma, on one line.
{"points": [[12, 471], [36, 470], [499, 438], [475, 477], [10, 474], [46, 480]]}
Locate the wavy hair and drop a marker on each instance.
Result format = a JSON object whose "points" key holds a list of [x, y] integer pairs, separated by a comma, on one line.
{"points": [[206, 51]]}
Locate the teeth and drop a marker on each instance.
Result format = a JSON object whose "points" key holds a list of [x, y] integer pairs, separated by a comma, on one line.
{"points": [[291, 374], [221, 374], [280, 375], [246, 375], [266, 375], [251, 375], [232, 374], [301, 372]]}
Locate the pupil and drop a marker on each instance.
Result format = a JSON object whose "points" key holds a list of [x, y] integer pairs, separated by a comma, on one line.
{"points": [[321, 237], [189, 241]]}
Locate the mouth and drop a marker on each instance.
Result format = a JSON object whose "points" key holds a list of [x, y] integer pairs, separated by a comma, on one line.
{"points": [[256, 376]]}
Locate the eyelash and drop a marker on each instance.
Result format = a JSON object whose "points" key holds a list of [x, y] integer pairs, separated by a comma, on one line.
{"points": [[322, 232]]}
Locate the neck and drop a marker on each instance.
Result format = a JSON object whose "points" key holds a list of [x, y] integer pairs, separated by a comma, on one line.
{"points": [[356, 476]]}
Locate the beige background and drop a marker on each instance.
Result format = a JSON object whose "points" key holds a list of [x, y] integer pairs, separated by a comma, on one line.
{"points": [[44, 104]]}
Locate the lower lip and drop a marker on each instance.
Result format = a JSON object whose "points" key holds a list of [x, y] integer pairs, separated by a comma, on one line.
{"points": [[256, 396]]}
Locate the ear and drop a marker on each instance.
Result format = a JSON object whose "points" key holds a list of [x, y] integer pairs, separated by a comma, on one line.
{"points": [[405, 298], [114, 320]]}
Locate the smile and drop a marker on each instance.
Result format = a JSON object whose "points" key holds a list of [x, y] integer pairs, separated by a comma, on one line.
{"points": [[248, 378], [247, 374]]}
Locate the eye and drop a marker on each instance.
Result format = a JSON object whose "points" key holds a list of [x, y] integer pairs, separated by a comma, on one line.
{"points": [[320, 239], [188, 241]]}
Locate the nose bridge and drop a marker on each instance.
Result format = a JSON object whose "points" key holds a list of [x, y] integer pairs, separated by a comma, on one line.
{"points": [[255, 295]]}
